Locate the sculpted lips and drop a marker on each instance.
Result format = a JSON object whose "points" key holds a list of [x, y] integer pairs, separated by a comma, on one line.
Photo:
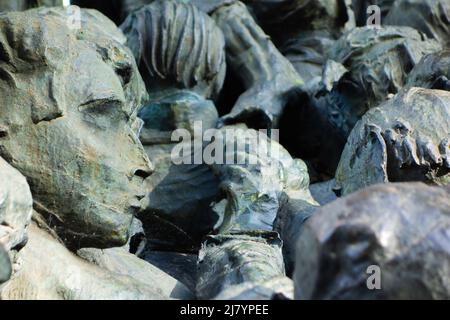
{"points": [[136, 202], [140, 176]]}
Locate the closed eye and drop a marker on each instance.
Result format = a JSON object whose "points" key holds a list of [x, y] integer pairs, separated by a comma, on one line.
{"points": [[100, 106], [104, 113]]}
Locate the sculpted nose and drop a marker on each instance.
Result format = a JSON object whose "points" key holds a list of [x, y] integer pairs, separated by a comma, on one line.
{"points": [[144, 167], [143, 173]]}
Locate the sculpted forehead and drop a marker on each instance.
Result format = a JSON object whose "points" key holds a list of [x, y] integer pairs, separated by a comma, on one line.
{"points": [[41, 54]]}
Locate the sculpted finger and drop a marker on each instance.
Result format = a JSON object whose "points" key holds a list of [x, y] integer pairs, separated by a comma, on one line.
{"points": [[429, 152], [444, 148]]}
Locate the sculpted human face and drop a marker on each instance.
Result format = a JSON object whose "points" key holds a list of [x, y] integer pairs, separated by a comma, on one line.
{"points": [[77, 147]]}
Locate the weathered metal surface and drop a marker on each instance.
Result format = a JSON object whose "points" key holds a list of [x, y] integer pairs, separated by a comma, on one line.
{"points": [[397, 233]]}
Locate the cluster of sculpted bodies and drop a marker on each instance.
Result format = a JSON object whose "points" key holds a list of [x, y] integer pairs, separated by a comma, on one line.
{"points": [[92, 205]]}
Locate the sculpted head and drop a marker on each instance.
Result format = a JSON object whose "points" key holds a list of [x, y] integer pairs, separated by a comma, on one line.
{"points": [[404, 139], [15, 214], [177, 47], [68, 104], [15, 207]]}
